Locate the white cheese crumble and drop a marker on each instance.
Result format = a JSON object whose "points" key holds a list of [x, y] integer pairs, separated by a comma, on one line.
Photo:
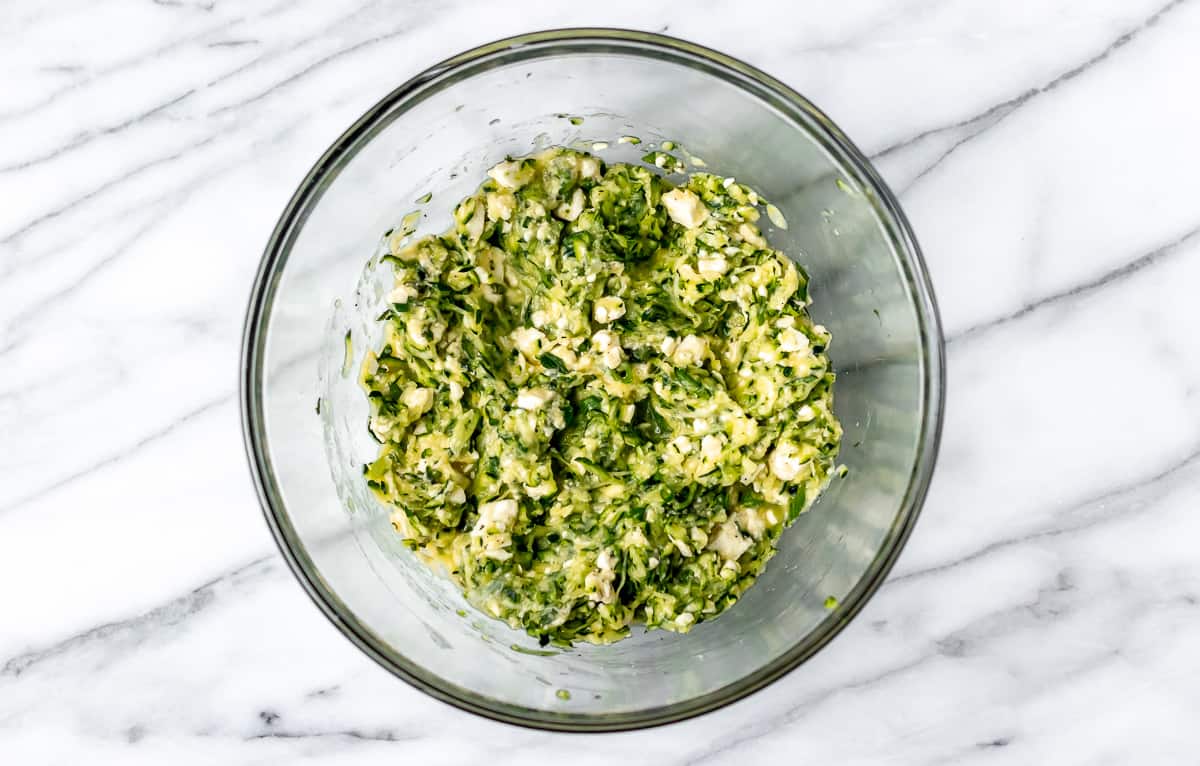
{"points": [[419, 399], [497, 516], [510, 174], [712, 267], [569, 211], [728, 542], [533, 398], [402, 294], [685, 208], [689, 351], [785, 461], [601, 578], [500, 205], [528, 340], [608, 309], [792, 340]]}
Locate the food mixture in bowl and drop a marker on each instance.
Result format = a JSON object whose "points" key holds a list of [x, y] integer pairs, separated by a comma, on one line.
{"points": [[600, 396]]}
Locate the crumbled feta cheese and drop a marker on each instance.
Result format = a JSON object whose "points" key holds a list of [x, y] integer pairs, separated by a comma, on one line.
{"points": [[685, 619], [456, 391], [608, 345], [712, 267], [601, 578], [533, 398], [402, 294], [805, 413], [710, 446], [792, 340], [685, 208], [750, 520], [604, 340], [510, 174], [768, 356], [749, 233], [608, 309], [612, 358], [785, 461], [382, 426], [682, 444], [500, 205], [419, 399], [728, 542], [689, 351], [589, 167], [668, 345], [569, 211], [474, 225], [497, 515], [528, 341], [458, 496]]}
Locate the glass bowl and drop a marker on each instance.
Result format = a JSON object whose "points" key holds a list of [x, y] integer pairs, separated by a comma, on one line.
{"points": [[321, 285]]}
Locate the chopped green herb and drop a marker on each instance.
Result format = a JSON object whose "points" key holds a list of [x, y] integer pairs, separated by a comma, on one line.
{"points": [[831, 603]]}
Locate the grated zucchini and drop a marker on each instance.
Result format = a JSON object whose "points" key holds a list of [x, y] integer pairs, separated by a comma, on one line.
{"points": [[600, 398]]}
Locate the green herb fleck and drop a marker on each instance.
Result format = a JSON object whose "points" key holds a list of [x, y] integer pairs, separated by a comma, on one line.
{"points": [[552, 362]]}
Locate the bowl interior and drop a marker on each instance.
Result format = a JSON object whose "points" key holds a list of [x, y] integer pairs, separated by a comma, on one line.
{"points": [[323, 282]]}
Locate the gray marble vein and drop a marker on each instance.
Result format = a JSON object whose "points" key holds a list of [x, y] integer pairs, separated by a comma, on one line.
{"points": [[1176, 247], [130, 632], [980, 123]]}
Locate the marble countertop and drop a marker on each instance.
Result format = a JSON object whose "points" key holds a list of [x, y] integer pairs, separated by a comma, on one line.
{"points": [[1047, 608]]}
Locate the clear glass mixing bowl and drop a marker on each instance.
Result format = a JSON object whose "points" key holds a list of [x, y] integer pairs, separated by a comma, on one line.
{"points": [[319, 284]]}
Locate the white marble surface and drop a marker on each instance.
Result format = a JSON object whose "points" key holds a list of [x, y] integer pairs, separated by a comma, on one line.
{"points": [[1048, 607]]}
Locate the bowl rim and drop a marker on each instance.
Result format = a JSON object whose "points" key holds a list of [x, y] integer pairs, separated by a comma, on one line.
{"points": [[632, 42]]}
